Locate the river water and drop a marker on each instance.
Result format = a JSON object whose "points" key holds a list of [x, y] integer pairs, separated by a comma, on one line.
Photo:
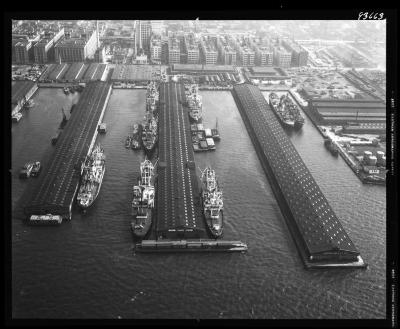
{"points": [[86, 268]]}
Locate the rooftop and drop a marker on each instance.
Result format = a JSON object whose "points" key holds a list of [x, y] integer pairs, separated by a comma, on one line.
{"points": [[19, 89], [78, 42], [268, 71]]}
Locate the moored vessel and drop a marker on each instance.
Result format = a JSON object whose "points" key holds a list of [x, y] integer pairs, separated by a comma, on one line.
{"points": [[330, 145], [194, 102], [26, 170], [136, 133], [286, 110], [92, 175], [143, 200], [149, 133], [212, 202]]}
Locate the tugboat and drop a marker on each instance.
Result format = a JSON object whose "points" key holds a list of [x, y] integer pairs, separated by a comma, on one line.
{"points": [[92, 176], [36, 169], [26, 170], [149, 134], [194, 102], [212, 200], [137, 132], [215, 132], [128, 141], [143, 200], [152, 98], [66, 90], [331, 147]]}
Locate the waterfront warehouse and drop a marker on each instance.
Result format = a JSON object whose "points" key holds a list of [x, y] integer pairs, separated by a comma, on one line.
{"points": [[320, 237], [21, 92]]}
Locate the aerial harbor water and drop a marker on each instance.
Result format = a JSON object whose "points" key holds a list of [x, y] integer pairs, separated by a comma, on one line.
{"points": [[87, 268]]}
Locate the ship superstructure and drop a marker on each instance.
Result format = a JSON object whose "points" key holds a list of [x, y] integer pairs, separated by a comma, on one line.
{"points": [[91, 178], [286, 110], [152, 97], [149, 132], [143, 200], [194, 102], [213, 203], [150, 125]]}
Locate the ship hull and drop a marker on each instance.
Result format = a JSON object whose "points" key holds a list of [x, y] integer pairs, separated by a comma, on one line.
{"points": [[146, 222], [84, 206], [285, 123], [213, 232], [195, 119], [209, 222]]}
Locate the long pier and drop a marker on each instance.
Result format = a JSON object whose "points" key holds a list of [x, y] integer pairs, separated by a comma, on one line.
{"points": [[320, 238], [58, 183], [178, 197]]}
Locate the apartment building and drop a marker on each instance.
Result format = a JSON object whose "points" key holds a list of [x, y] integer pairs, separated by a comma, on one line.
{"points": [[142, 34], [227, 54], [174, 50], [44, 50], [155, 48], [209, 53], [21, 49], [77, 49], [192, 49], [299, 54], [282, 58]]}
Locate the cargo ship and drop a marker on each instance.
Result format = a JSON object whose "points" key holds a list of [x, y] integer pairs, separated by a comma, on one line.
{"points": [[92, 175], [149, 133], [136, 133], [194, 102], [286, 111], [143, 200], [212, 201], [152, 98]]}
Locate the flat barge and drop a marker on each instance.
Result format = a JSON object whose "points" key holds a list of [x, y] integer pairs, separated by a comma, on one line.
{"points": [[190, 245], [55, 192], [320, 238]]}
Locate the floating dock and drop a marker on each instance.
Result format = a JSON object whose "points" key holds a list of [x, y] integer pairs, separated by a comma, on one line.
{"points": [[190, 245], [320, 238], [57, 186]]}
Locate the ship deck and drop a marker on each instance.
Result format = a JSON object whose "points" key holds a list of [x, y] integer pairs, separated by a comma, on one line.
{"points": [[318, 233], [55, 191], [179, 212]]}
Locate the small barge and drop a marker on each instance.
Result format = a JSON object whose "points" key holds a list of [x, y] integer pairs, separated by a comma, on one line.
{"points": [[48, 219]]}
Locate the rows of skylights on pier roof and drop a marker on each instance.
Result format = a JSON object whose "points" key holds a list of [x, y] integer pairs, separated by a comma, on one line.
{"points": [[313, 205]]}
